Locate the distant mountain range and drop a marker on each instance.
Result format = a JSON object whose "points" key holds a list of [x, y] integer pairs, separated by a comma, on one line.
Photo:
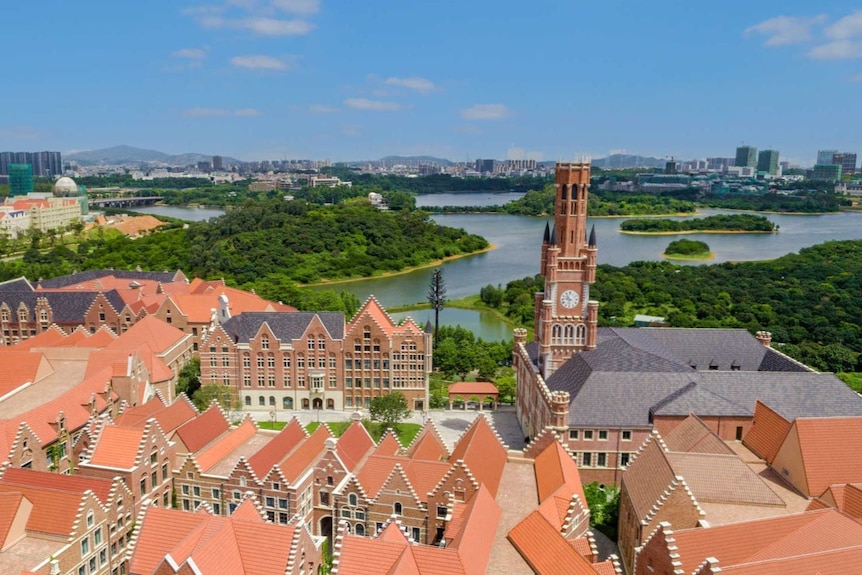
{"points": [[118, 155]]}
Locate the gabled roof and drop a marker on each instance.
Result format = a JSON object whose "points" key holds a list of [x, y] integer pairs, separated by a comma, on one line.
{"points": [[276, 450], [242, 544], [647, 477], [225, 444], [286, 326], [54, 512], [170, 417], [303, 457], [694, 436], [422, 475], [117, 447], [388, 445], [203, 429], [470, 388], [354, 444], [58, 482], [823, 446], [94, 275], [428, 444], [846, 498], [555, 469], [18, 368], [546, 550], [755, 543], [372, 311], [150, 331], [483, 452], [197, 305], [767, 432]]}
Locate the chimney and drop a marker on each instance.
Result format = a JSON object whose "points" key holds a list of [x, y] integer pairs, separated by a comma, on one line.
{"points": [[764, 337]]}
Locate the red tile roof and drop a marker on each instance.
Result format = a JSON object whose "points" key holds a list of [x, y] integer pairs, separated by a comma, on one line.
{"points": [[546, 550], [54, 512], [354, 444], [555, 468], [470, 388], [58, 482], [224, 445], [428, 445], [388, 445], [692, 435], [482, 451], [117, 447], [277, 449], [19, 367], [242, 544], [422, 475], [767, 432], [303, 457], [823, 445], [170, 417], [150, 331], [203, 429], [10, 503]]}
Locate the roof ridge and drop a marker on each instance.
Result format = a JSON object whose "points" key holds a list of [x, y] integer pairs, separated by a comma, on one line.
{"points": [[398, 468]]}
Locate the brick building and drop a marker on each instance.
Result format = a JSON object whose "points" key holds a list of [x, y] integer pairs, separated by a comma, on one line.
{"points": [[277, 361]]}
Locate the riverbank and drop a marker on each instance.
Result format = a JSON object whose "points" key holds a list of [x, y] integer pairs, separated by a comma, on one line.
{"points": [[470, 303], [705, 256], [434, 264], [683, 232]]}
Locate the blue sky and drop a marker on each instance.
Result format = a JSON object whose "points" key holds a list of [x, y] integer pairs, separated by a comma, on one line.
{"points": [[461, 79]]}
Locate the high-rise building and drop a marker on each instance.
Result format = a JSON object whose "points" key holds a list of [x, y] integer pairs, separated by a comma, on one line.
{"points": [[20, 179], [847, 161], [746, 156], [43, 164], [485, 166], [767, 161], [827, 172], [218, 163], [825, 157], [718, 163]]}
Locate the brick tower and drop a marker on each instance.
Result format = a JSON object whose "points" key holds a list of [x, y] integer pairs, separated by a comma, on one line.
{"points": [[565, 318]]}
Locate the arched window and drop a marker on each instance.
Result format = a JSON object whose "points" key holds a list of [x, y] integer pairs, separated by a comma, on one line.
{"points": [[352, 499], [564, 193], [261, 401], [396, 508], [360, 529], [581, 334], [287, 402], [272, 401], [569, 334], [248, 400], [556, 334]]}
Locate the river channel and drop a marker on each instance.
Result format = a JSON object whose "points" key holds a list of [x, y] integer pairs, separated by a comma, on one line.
{"points": [[518, 240]]}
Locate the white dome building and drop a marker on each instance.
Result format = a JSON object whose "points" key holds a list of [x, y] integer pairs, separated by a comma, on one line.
{"points": [[65, 187]]}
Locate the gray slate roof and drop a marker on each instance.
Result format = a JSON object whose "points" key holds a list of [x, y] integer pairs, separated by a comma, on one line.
{"points": [[90, 275], [67, 307], [637, 373], [18, 284], [286, 326]]}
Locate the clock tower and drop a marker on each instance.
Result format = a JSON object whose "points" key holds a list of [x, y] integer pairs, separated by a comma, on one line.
{"points": [[565, 318]]}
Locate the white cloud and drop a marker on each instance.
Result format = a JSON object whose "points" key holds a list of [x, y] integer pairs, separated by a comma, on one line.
{"points": [[298, 6], [219, 112], [485, 112], [190, 53], [374, 105], [412, 83], [259, 62], [847, 27], [784, 30], [321, 109], [838, 50], [261, 26]]}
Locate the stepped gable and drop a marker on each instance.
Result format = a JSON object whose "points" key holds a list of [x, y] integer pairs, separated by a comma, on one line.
{"points": [[170, 417], [280, 447], [303, 457], [822, 446], [80, 484], [422, 475], [203, 429], [752, 546], [372, 311], [546, 551], [285, 326], [208, 457], [52, 337], [354, 444], [66, 307], [428, 444], [557, 481], [388, 444], [54, 512], [693, 435], [649, 479], [484, 453], [767, 432]]}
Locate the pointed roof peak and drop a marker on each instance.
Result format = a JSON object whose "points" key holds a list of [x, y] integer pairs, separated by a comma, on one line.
{"points": [[547, 237]]}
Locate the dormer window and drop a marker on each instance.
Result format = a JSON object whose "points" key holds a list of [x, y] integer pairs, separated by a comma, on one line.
{"points": [[4, 315], [43, 315], [264, 342]]}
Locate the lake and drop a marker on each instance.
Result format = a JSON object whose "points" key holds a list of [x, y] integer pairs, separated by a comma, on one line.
{"points": [[518, 241]]}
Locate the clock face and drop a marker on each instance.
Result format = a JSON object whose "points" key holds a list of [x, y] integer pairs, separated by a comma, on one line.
{"points": [[569, 299]]}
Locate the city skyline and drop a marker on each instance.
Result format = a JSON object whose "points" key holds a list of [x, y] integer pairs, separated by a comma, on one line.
{"points": [[274, 79]]}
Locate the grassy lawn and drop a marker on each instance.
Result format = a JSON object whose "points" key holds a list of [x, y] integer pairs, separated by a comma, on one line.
{"points": [[853, 380], [405, 431]]}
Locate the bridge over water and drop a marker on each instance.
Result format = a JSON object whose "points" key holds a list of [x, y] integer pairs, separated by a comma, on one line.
{"points": [[124, 201]]}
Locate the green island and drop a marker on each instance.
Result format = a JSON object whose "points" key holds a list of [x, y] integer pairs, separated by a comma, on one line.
{"points": [[688, 250], [718, 224]]}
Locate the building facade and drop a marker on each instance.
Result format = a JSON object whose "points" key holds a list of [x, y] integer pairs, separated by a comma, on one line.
{"points": [[746, 156], [767, 161]]}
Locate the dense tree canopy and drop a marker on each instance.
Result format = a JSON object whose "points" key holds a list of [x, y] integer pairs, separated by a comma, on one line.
{"points": [[720, 222]]}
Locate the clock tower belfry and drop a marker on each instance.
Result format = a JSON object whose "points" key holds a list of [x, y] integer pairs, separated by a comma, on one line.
{"points": [[565, 317]]}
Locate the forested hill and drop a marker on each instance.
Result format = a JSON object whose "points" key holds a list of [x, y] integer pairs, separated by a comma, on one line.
{"points": [[809, 300], [268, 246]]}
